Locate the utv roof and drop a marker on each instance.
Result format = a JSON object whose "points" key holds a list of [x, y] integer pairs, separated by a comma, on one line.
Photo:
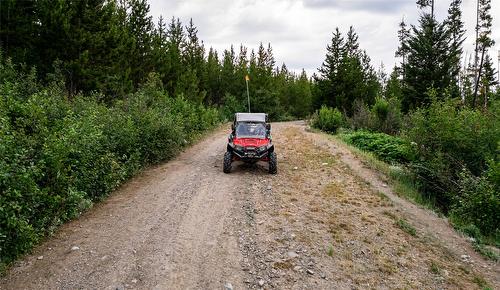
{"points": [[250, 117]]}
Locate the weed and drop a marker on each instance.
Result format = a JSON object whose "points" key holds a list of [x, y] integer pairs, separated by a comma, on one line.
{"points": [[480, 282], [435, 269], [330, 250], [405, 226]]}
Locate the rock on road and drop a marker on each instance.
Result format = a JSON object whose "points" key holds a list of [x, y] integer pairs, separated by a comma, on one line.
{"points": [[325, 221]]}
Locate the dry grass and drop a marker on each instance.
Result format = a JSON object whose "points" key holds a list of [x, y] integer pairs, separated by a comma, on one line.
{"points": [[357, 232]]}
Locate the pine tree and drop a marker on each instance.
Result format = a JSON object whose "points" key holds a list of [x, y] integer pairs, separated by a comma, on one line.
{"points": [[140, 25], [213, 71], [488, 81], [193, 59], [328, 80], [393, 88], [483, 41], [228, 77], [429, 63], [175, 38], [455, 28], [402, 51], [351, 46]]}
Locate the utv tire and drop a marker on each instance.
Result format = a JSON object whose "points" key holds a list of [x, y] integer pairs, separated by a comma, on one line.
{"points": [[273, 163], [228, 159]]}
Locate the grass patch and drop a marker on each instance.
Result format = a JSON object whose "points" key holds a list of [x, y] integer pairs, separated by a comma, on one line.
{"points": [[330, 250], [434, 268], [405, 226], [400, 179], [479, 242], [480, 282]]}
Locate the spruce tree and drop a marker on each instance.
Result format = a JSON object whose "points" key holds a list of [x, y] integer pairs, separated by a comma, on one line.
{"points": [[455, 28], [429, 63], [483, 41]]}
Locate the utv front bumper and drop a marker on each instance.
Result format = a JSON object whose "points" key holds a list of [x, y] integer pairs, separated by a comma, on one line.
{"points": [[250, 153]]}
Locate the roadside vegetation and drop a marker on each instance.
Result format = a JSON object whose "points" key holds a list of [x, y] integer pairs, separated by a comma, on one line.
{"points": [[439, 136], [92, 92]]}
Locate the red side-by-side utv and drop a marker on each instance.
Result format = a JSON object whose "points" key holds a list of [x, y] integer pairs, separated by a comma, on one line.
{"points": [[250, 141]]}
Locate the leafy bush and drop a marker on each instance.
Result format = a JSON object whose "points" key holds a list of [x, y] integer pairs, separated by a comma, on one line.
{"points": [[384, 116], [58, 157], [327, 119], [448, 140], [387, 115], [478, 201], [386, 147]]}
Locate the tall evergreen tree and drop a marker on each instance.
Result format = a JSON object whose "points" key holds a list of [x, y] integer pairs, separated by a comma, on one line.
{"points": [[393, 88], [429, 63], [483, 41], [402, 51], [455, 28], [140, 25], [346, 75], [175, 38]]}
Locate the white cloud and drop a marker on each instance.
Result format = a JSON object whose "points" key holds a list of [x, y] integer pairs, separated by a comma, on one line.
{"points": [[299, 30]]}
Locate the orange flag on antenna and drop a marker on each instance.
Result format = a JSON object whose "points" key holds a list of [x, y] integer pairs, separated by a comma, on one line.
{"points": [[247, 78]]}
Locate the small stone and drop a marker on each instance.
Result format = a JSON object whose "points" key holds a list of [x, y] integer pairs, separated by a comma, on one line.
{"points": [[465, 257], [134, 281], [295, 168], [324, 163], [228, 286], [40, 258], [261, 282], [75, 248], [310, 272], [105, 257], [297, 268], [292, 254], [269, 187], [322, 275]]}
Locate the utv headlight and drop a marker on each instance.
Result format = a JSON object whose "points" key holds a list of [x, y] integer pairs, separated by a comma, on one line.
{"points": [[238, 148], [262, 148]]}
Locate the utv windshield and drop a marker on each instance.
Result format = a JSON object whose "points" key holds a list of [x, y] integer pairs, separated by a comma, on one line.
{"points": [[250, 130]]}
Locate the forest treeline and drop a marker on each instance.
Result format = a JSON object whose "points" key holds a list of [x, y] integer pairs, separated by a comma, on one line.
{"points": [[92, 91], [112, 46]]}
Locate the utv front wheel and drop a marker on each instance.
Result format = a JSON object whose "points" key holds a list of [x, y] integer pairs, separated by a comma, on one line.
{"points": [[228, 158], [273, 163]]}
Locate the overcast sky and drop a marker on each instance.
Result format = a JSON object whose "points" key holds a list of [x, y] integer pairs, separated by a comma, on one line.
{"points": [[299, 30]]}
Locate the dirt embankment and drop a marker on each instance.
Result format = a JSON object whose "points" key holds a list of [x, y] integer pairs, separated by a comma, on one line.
{"points": [[324, 221]]}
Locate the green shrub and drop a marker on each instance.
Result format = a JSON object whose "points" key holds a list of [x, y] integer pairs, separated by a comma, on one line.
{"points": [[384, 116], [380, 109], [58, 157], [478, 202], [327, 119], [388, 148], [448, 140]]}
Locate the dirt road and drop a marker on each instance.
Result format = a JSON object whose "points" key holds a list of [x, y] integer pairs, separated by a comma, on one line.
{"points": [[325, 221]]}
